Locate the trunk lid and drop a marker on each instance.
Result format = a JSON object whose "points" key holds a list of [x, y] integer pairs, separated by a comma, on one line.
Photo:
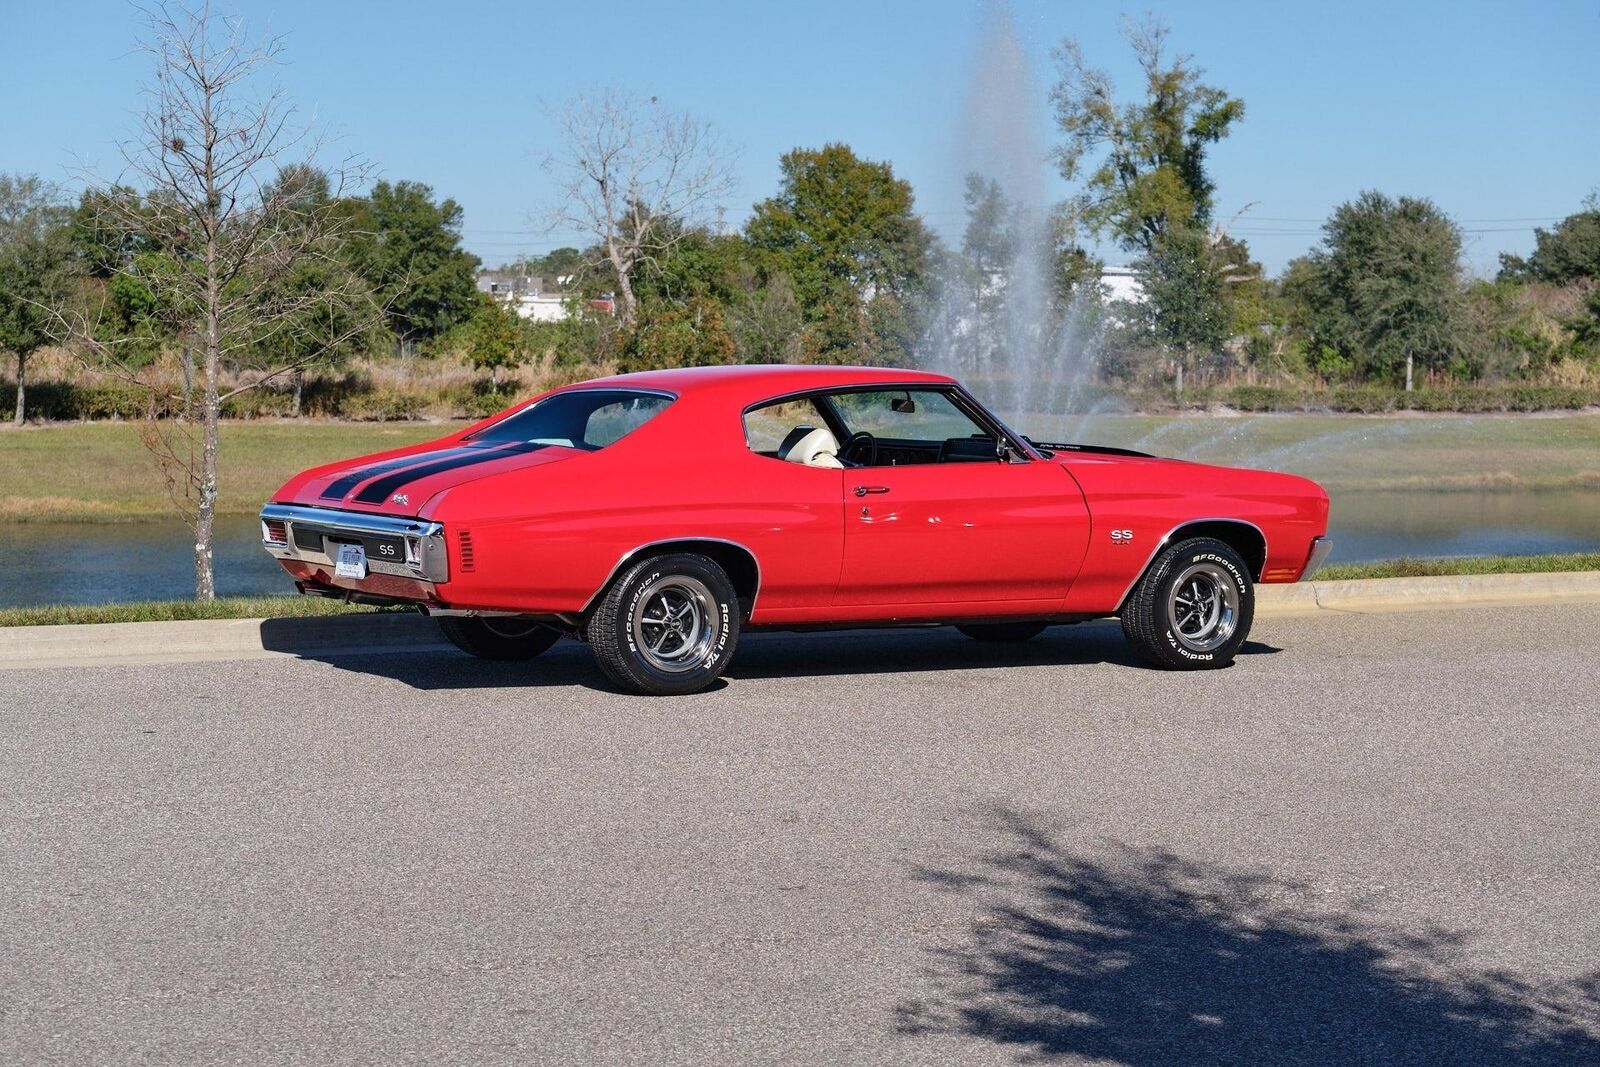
{"points": [[402, 484]]}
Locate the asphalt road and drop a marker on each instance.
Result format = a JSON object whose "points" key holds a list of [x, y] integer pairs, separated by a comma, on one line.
{"points": [[1371, 841]]}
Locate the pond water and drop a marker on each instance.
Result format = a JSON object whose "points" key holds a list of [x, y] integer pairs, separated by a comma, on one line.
{"points": [[83, 563]]}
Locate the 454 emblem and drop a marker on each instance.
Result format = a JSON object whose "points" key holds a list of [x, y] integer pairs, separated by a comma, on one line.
{"points": [[1121, 537]]}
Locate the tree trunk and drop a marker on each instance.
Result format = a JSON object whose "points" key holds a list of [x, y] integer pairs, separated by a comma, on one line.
{"points": [[1179, 362], [628, 306], [186, 358], [1409, 367], [299, 387], [205, 581], [22, 386]]}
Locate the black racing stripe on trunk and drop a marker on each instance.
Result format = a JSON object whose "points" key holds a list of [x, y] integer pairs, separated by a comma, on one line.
{"points": [[377, 492], [337, 489]]}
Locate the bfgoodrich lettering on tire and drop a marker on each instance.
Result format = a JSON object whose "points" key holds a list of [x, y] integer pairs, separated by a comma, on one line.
{"points": [[667, 625], [1193, 608]]}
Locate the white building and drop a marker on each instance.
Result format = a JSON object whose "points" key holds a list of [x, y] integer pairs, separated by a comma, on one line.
{"points": [[525, 293], [1121, 284]]}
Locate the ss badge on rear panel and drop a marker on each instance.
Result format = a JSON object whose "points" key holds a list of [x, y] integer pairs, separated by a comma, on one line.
{"points": [[1121, 537]]}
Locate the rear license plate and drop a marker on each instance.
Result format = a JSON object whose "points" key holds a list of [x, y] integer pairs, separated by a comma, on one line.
{"points": [[352, 562]]}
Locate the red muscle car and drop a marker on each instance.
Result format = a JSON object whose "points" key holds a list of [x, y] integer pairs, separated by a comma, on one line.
{"points": [[657, 515]]}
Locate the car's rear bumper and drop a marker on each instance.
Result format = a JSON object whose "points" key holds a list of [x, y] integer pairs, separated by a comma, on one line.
{"points": [[302, 535], [1320, 547]]}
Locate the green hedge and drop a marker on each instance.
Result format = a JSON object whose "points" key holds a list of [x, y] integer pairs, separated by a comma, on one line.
{"points": [[353, 396], [357, 400], [1377, 400]]}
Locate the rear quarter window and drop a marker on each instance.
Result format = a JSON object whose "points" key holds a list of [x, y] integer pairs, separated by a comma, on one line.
{"points": [[586, 419]]}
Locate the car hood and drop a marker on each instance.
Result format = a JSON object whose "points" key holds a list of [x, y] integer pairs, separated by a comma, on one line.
{"points": [[403, 483], [1121, 467]]}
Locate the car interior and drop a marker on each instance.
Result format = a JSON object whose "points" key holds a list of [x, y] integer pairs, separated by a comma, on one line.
{"points": [[871, 428]]}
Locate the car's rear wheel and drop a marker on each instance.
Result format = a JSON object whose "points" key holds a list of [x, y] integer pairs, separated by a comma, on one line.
{"points": [[504, 637], [1193, 608], [1007, 633], [666, 626]]}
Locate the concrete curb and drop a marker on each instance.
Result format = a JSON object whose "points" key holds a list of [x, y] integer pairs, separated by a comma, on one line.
{"points": [[356, 635], [1373, 595], [173, 642]]}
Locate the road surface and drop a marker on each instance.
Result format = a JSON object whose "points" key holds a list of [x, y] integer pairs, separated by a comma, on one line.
{"points": [[1370, 841]]}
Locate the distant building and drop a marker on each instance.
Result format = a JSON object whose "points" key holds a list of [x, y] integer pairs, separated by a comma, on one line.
{"points": [[525, 293], [1121, 284]]}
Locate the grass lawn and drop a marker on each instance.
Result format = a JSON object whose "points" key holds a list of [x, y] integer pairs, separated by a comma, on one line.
{"points": [[243, 607], [101, 472], [1423, 568], [1367, 453]]}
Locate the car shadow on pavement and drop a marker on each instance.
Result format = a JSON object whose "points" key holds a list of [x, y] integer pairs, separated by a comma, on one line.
{"points": [[761, 655], [1144, 958]]}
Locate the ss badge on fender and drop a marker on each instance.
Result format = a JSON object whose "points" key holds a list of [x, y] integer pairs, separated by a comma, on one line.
{"points": [[1121, 537]]}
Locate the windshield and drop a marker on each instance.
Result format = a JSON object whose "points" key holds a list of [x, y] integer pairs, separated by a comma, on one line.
{"points": [[587, 419]]}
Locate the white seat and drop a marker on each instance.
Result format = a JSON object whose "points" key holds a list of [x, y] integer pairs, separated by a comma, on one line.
{"points": [[812, 446]]}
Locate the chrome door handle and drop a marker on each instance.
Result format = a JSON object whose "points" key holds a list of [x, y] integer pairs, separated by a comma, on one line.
{"points": [[863, 490]]}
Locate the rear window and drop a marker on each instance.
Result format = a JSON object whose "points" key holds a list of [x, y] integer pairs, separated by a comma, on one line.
{"points": [[587, 419]]}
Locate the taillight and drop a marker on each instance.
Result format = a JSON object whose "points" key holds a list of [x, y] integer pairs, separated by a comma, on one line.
{"points": [[273, 532]]}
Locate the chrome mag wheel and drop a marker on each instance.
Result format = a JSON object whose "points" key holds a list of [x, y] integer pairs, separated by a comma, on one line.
{"points": [[1203, 608], [675, 623]]}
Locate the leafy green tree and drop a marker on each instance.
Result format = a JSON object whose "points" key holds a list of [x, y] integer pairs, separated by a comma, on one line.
{"points": [[1185, 280], [766, 318], [328, 313], [35, 258], [408, 248], [989, 241], [844, 231], [1141, 164], [1569, 252], [1385, 287], [496, 338], [691, 334]]}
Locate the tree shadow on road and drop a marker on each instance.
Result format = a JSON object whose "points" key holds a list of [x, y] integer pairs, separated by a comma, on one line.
{"points": [[1145, 958]]}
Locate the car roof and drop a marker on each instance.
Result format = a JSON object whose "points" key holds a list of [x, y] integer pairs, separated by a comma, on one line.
{"points": [[753, 382]]}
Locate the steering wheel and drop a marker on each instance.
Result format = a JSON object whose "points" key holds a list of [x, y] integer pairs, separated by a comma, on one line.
{"points": [[859, 450]]}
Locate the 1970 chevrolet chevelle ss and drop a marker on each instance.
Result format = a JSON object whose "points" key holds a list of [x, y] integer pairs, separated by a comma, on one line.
{"points": [[657, 515]]}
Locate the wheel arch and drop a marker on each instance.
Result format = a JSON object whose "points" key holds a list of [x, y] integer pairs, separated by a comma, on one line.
{"points": [[1241, 535], [736, 559]]}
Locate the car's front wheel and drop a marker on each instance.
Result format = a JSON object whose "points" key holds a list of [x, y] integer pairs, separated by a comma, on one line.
{"points": [[1193, 608], [505, 637], [666, 626]]}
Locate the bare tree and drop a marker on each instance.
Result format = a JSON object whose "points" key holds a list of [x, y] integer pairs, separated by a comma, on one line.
{"points": [[234, 216], [637, 177]]}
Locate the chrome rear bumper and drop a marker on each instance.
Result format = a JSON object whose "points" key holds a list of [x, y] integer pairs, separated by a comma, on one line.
{"points": [[299, 533], [1320, 547]]}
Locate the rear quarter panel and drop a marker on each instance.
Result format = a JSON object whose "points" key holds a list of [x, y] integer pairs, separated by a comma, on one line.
{"points": [[547, 539]]}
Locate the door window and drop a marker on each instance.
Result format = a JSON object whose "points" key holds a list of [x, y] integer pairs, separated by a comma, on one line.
{"points": [[908, 426]]}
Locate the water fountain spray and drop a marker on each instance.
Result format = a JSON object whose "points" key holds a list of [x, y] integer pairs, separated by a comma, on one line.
{"points": [[999, 321]]}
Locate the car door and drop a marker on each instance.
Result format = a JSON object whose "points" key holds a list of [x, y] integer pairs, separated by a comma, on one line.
{"points": [[1009, 534]]}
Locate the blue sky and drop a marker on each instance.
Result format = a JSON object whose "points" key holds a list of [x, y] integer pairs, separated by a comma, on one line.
{"points": [[1491, 109]]}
